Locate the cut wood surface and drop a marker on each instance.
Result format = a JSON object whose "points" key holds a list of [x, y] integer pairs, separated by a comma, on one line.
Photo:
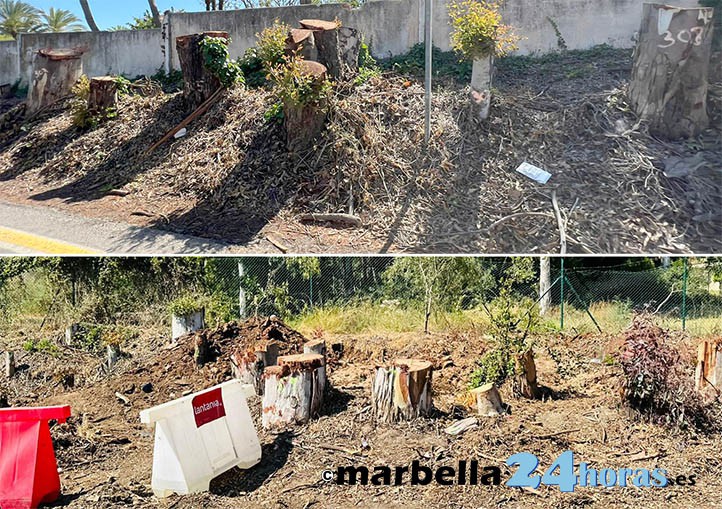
{"points": [[670, 73], [9, 364], [402, 391], [488, 400], [301, 42], [293, 392], [55, 72], [249, 365], [199, 84], [103, 93], [337, 46]]}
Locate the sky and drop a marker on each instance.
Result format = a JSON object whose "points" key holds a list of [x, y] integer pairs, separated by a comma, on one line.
{"points": [[109, 13]]}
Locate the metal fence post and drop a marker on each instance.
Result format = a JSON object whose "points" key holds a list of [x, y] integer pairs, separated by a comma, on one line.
{"points": [[429, 47], [563, 278], [684, 295], [310, 289]]}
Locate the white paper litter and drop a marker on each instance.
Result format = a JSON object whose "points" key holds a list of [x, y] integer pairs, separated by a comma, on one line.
{"points": [[534, 172], [180, 133]]}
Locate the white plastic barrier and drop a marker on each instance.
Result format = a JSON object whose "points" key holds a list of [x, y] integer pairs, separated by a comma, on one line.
{"points": [[200, 436]]}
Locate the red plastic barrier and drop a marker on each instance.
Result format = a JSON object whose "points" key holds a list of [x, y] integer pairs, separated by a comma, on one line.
{"points": [[28, 470]]}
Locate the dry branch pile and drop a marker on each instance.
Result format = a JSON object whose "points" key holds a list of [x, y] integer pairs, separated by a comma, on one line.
{"points": [[231, 173]]}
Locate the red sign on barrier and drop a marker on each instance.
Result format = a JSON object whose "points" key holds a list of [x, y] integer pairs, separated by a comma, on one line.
{"points": [[208, 407]]}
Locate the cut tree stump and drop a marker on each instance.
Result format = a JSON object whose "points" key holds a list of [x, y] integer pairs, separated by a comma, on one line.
{"points": [[670, 73], [55, 72], [199, 83], [113, 354], [488, 400], [293, 392], [402, 391], [709, 365], [337, 46], [249, 365], [301, 42], [9, 364], [304, 122], [524, 381], [103, 94], [318, 347]]}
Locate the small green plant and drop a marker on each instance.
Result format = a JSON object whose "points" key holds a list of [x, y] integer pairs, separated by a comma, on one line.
{"points": [[274, 113], [185, 305], [29, 345], [82, 117], [368, 67], [295, 86], [169, 82], [561, 43], [45, 345], [271, 45], [478, 31], [217, 61]]}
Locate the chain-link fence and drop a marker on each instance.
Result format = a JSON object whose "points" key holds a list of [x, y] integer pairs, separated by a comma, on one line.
{"points": [[584, 294]]}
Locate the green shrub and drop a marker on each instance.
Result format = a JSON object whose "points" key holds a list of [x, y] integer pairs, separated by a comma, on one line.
{"points": [[478, 31], [294, 86], [185, 305], [271, 45]]}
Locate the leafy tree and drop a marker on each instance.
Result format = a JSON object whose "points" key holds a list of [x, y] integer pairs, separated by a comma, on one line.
{"points": [[17, 17], [60, 20]]}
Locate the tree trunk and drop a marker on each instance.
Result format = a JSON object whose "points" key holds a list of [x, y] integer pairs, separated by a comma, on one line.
{"points": [[103, 94], [488, 400], [9, 364], [113, 353], [402, 391], [198, 82], [155, 13], [54, 74], [250, 365], [89, 16], [201, 350], [338, 47], [70, 333], [482, 71], [709, 365], [524, 382], [301, 42], [318, 347], [669, 81], [293, 391], [304, 122], [545, 283]]}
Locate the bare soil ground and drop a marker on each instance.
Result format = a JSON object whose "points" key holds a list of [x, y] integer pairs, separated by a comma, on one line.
{"points": [[231, 178], [106, 455]]}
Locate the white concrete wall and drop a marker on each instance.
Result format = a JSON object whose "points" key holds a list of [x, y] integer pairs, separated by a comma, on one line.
{"points": [[8, 62], [582, 23], [128, 52], [389, 26]]}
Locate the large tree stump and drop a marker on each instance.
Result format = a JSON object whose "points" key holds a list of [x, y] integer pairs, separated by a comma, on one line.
{"points": [[249, 365], [488, 400], [103, 94], [301, 42], [304, 122], [669, 81], [54, 74], [293, 391], [338, 46], [482, 72], [198, 82], [402, 391], [318, 347], [524, 382], [709, 365]]}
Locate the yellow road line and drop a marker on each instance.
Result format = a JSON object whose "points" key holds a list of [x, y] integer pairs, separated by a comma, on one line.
{"points": [[42, 245]]}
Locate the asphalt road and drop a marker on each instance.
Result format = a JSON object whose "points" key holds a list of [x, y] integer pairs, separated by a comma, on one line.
{"points": [[41, 230]]}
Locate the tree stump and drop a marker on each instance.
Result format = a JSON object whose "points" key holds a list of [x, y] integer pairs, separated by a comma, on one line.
{"points": [[402, 391], [301, 42], [103, 94], [201, 350], [488, 400], [9, 364], [198, 82], [54, 74], [669, 81], [318, 347], [249, 365], [304, 122], [113, 353], [524, 381], [338, 47], [709, 365], [293, 391], [482, 71]]}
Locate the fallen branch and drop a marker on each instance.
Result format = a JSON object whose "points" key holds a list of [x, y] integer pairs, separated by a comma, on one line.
{"points": [[190, 118], [562, 232], [349, 219], [277, 243]]}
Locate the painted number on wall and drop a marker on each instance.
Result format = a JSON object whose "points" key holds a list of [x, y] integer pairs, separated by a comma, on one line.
{"points": [[685, 36]]}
